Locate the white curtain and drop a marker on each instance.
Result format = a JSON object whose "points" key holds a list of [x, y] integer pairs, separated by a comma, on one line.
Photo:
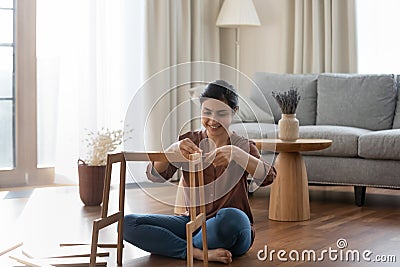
{"points": [[321, 36], [88, 58], [177, 31]]}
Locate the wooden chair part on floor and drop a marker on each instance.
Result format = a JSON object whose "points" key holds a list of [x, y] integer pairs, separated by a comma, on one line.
{"points": [[196, 167], [107, 220]]}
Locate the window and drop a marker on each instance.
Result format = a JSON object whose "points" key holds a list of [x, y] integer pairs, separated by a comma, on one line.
{"points": [[7, 98], [77, 72], [18, 127], [377, 36]]}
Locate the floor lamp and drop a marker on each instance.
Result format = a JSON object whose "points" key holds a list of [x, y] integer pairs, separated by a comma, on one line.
{"points": [[235, 14]]}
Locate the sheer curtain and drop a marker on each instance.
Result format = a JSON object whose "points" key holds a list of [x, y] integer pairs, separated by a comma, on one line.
{"points": [[88, 58], [321, 36], [177, 32]]}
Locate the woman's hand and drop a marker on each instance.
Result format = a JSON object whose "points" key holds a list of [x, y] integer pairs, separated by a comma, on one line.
{"points": [[184, 146], [223, 155]]}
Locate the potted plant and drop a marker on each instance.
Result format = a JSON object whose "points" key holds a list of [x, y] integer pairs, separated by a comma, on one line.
{"points": [[92, 169], [288, 125]]}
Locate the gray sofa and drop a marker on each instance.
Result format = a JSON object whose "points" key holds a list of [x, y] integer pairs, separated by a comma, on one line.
{"points": [[360, 113]]}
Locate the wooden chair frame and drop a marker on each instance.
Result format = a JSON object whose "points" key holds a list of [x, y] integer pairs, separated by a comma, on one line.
{"points": [[195, 166]]}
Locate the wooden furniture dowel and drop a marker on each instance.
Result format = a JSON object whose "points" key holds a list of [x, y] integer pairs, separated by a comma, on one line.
{"points": [[30, 262], [10, 248]]}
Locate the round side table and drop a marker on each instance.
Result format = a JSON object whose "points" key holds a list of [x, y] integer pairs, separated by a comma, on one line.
{"points": [[289, 198]]}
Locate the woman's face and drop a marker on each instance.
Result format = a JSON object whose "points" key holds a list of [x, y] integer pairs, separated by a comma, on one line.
{"points": [[216, 116]]}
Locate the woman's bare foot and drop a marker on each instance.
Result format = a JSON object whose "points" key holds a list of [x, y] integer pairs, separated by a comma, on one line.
{"points": [[219, 254]]}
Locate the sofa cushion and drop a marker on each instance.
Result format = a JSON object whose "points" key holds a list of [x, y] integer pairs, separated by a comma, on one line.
{"points": [[272, 82], [255, 130], [250, 112], [380, 145], [344, 139], [396, 121], [362, 101]]}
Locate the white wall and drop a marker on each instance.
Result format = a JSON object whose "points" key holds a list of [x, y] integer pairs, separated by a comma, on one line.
{"points": [[261, 48], [378, 54]]}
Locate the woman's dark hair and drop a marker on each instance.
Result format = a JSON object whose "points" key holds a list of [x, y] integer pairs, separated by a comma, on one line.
{"points": [[221, 90]]}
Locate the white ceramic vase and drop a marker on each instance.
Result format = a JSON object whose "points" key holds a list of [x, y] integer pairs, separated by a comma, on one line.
{"points": [[288, 127]]}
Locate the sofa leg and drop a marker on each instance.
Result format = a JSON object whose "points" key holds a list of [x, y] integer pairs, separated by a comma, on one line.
{"points": [[359, 194]]}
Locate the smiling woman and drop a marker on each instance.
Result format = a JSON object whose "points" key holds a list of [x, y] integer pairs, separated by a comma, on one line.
{"points": [[229, 159], [219, 102]]}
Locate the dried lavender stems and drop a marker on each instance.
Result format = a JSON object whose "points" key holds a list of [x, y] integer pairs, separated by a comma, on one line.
{"points": [[288, 100]]}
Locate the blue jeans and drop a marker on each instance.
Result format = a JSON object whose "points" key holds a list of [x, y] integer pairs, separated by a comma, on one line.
{"points": [[166, 234]]}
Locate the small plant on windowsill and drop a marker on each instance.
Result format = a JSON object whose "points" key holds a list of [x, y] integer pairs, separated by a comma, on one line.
{"points": [[288, 125], [92, 169]]}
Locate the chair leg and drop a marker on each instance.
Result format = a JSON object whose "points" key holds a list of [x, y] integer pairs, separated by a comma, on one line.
{"points": [[200, 220], [121, 210], [190, 228], [95, 240], [120, 244], [205, 246], [189, 244]]}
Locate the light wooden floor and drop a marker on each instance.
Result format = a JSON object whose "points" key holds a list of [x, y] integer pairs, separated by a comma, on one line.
{"points": [[46, 217]]}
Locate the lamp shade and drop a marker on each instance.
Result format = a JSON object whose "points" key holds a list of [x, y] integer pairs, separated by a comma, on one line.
{"points": [[235, 13]]}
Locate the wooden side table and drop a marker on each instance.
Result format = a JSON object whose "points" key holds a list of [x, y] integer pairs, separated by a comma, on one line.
{"points": [[289, 198]]}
